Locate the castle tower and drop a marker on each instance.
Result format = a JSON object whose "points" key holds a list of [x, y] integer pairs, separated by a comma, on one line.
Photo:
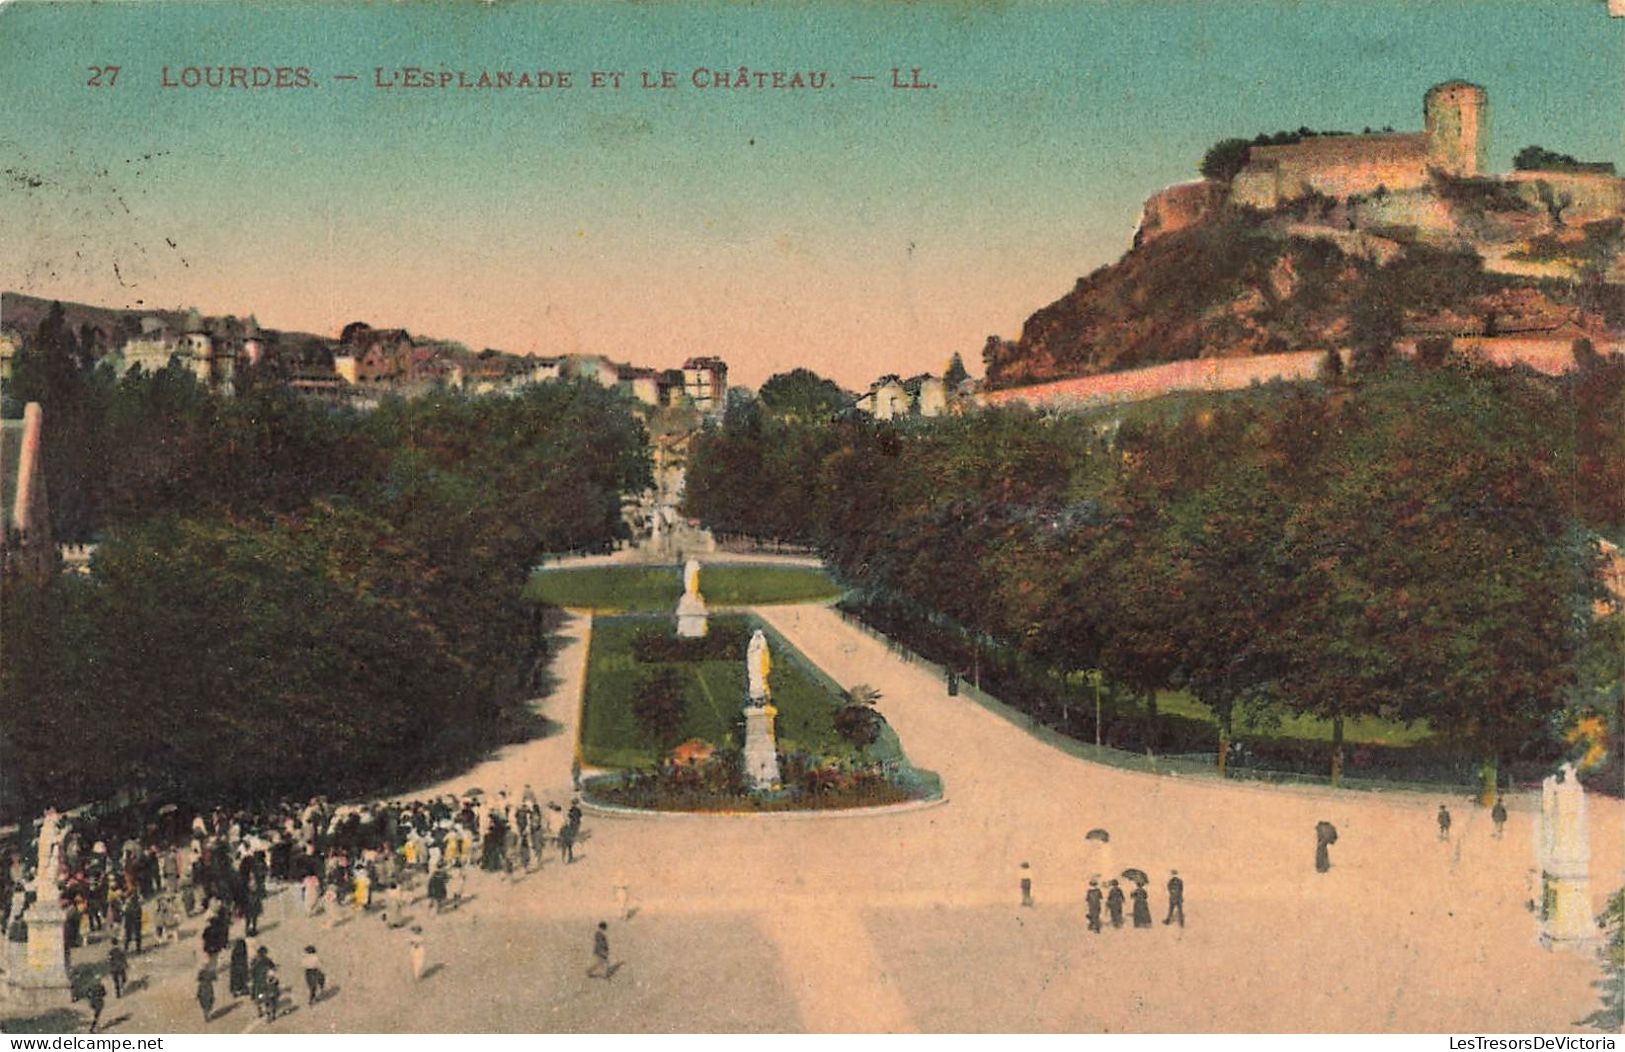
{"points": [[1455, 118]]}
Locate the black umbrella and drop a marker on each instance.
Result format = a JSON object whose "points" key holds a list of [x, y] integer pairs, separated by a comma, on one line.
{"points": [[1136, 875], [1326, 832], [1098, 834]]}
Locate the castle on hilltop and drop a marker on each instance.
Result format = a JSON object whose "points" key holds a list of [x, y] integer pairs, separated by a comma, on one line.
{"points": [[1455, 118]]}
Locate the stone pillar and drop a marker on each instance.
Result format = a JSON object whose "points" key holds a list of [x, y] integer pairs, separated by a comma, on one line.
{"points": [[1564, 857], [37, 978], [761, 747]]}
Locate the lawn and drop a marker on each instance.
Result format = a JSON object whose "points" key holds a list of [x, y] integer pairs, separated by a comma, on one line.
{"points": [[647, 589], [1357, 730], [715, 691]]}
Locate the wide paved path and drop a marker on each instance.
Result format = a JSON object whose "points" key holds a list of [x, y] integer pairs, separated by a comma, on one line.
{"points": [[911, 921]]}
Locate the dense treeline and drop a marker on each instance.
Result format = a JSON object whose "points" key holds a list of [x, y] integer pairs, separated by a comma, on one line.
{"points": [[1415, 546], [288, 598]]}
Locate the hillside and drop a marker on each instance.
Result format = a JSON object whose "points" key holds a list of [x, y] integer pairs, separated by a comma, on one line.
{"points": [[24, 313], [1236, 282]]}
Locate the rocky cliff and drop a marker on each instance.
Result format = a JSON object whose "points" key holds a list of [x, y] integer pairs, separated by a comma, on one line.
{"points": [[1207, 279]]}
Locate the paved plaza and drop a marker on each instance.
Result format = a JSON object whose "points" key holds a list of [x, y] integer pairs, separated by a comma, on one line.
{"points": [[911, 920]]}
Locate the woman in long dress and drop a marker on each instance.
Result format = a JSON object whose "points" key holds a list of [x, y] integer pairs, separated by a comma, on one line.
{"points": [[205, 992], [1142, 907], [239, 968]]}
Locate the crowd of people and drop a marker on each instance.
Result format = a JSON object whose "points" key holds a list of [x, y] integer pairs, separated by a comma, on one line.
{"points": [[1110, 897], [132, 878]]}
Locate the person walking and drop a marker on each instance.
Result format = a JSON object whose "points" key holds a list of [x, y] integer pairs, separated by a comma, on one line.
{"points": [[1025, 875], [1498, 815], [271, 996], [437, 889], [600, 952], [315, 978], [1444, 822], [1092, 900], [1325, 837], [237, 977], [1114, 903], [96, 996], [1176, 899], [567, 843], [253, 906], [418, 953], [259, 981], [205, 991], [1142, 906], [132, 922], [118, 968]]}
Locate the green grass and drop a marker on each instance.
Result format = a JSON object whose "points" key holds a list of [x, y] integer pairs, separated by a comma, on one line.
{"points": [[648, 589], [715, 691], [764, 585], [1357, 730]]}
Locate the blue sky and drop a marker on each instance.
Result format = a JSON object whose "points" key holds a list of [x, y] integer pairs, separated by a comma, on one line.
{"points": [[858, 230]]}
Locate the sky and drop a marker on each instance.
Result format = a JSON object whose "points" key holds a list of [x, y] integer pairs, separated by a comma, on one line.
{"points": [[857, 230]]}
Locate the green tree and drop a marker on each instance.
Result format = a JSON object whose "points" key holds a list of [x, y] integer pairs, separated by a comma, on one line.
{"points": [[1225, 159], [802, 394], [1610, 1017]]}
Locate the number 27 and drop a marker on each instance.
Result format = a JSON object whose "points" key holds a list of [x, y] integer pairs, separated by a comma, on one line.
{"points": [[99, 72]]}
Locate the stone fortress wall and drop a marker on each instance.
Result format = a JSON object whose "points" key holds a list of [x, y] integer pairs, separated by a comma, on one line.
{"points": [[1592, 195], [1550, 356], [1455, 119]]}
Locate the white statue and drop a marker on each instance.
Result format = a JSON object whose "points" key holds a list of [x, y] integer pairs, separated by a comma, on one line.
{"points": [[50, 849], [692, 621], [758, 663]]}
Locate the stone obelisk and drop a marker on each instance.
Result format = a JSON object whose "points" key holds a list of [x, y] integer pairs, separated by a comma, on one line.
{"points": [[692, 620], [761, 743]]}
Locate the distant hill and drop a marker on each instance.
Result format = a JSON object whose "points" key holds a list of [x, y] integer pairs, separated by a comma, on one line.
{"points": [[24, 313]]}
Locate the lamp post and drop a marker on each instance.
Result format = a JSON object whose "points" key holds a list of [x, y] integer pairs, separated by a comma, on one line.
{"points": [[1094, 677]]}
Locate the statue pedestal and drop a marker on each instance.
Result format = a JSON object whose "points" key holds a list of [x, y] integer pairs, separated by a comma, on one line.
{"points": [[692, 619], [37, 972], [1566, 920], [761, 749]]}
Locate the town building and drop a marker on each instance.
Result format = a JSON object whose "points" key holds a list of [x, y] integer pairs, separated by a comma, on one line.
{"points": [[705, 382]]}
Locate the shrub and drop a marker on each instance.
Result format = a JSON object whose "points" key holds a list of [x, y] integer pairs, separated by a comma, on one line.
{"points": [[660, 706], [724, 640]]}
